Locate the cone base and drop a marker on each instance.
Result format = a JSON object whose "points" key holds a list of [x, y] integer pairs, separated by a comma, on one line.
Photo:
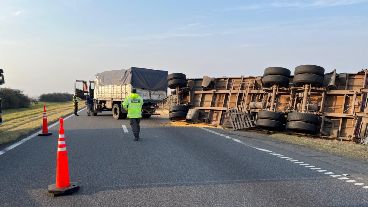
{"points": [[54, 191], [44, 135]]}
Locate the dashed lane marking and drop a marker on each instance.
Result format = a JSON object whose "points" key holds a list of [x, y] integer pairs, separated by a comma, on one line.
{"points": [[7, 149], [342, 177], [329, 173], [125, 129]]}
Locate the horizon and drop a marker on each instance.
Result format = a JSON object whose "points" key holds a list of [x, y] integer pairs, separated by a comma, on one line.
{"points": [[45, 46]]}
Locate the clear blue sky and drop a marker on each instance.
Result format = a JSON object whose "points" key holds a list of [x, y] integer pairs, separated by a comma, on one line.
{"points": [[45, 45]]}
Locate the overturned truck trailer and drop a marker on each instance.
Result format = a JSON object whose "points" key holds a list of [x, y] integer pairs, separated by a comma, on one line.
{"points": [[333, 105]]}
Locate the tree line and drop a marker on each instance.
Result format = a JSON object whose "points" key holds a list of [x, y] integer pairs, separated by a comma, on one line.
{"points": [[13, 98]]}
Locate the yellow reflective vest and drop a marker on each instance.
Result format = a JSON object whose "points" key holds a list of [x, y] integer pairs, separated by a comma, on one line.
{"points": [[133, 104]]}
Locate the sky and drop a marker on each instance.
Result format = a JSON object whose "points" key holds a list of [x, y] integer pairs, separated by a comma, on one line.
{"points": [[46, 45]]}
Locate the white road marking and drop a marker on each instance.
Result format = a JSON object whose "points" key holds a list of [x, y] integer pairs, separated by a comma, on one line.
{"points": [[329, 173], [125, 129], [7, 149], [345, 178]]}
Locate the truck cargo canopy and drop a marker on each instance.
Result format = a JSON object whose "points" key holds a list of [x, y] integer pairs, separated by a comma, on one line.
{"points": [[142, 78]]}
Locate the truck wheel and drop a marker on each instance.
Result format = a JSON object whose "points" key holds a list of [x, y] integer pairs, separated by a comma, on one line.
{"points": [[270, 80], [146, 116], [176, 76], [94, 114], [277, 71], [312, 69], [308, 78], [116, 112], [278, 116], [304, 117], [270, 124], [178, 115], [177, 82], [300, 126], [179, 108]]}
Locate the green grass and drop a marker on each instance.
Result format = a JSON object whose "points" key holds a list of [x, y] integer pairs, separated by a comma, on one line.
{"points": [[19, 123]]}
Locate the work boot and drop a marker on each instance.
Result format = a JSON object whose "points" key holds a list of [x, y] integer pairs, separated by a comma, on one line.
{"points": [[136, 137]]}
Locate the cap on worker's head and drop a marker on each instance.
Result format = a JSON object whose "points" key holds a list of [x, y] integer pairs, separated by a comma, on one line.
{"points": [[134, 90]]}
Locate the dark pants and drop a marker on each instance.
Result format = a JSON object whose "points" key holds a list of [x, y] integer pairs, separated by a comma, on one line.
{"points": [[136, 128], [89, 109], [76, 109]]}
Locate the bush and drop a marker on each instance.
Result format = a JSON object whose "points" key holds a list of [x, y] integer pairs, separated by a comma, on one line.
{"points": [[56, 97], [13, 98]]}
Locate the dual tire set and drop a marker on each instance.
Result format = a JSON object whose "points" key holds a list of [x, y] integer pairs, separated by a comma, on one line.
{"points": [[294, 121], [175, 80], [178, 112], [303, 74]]}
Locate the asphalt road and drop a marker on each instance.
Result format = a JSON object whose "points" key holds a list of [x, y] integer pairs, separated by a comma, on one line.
{"points": [[173, 166]]}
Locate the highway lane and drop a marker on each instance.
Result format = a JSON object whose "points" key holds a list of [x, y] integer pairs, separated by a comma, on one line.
{"points": [[173, 166]]}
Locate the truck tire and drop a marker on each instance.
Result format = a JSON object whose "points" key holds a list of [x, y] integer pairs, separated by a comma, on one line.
{"points": [[175, 108], [173, 83], [116, 112], [300, 126], [269, 124], [176, 76], [277, 71], [270, 80], [278, 116], [308, 78], [312, 69], [94, 114], [304, 117], [178, 115], [146, 116]]}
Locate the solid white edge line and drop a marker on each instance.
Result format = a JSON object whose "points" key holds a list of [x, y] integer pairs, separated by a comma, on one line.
{"points": [[289, 159], [7, 149]]}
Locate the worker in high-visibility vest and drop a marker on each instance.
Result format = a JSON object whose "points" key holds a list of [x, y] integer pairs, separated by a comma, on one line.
{"points": [[75, 101], [133, 104]]}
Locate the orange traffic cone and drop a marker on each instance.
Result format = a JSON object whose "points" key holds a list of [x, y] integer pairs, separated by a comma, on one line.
{"points": [[45, 129], [63, 186]]}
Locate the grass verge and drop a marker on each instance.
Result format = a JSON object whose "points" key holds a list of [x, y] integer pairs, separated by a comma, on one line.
{"points": [[341, 148], [19, 123]]}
